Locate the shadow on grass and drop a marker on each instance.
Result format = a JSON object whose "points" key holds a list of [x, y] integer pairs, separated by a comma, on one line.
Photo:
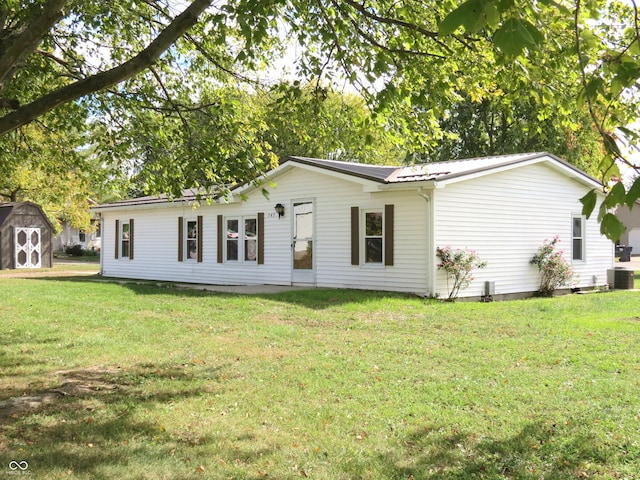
{"points": [[13, 362], [539, 450], [313, 298], [97, 419]]}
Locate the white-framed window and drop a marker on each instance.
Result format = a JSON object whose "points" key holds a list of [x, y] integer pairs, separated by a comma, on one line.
{"points": [[125, 239], [123, 247], [241, 239], [97, 228], [232, 239], [191, 238], [373, 236], [250, 239], [578, 253]]}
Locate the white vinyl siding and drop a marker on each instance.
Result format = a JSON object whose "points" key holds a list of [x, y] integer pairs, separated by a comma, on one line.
{"points": [[156, 257], [506, 216]]}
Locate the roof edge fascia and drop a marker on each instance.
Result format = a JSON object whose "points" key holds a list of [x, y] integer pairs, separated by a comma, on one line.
{"points": [[368, 184], [160, 203], [543, 157], [335, 172]]}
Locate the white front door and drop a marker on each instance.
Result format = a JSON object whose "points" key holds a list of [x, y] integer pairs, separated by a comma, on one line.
{"points": [[302, 242], [27, 247]]}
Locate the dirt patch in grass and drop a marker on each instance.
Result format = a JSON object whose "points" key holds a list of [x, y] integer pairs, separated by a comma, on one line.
{"points": [[73, 383], [49, 273]]}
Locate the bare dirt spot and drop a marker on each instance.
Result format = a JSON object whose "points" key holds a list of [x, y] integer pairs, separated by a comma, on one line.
{"points": [[73, 383]]}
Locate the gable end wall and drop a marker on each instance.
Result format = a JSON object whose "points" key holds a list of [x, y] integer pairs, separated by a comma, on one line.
{"points": [[506, 217]]}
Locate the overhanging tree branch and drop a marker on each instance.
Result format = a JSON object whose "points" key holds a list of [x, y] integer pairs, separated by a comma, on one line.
{"points": [[29, 39], [147, 57]]}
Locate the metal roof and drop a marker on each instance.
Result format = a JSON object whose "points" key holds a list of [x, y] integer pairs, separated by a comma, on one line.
{"points": [[436, 171], [379, 173]]}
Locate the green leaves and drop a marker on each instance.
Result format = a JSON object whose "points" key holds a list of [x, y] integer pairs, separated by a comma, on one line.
{"points": [[589, 202], [611, 226], [633, 195], [472, 15], [515, 35], [512, 37]]}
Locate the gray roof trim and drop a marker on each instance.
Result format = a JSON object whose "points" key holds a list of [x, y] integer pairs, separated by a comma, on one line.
{"points": [[522, 159], [375, 173], [189, 195]]}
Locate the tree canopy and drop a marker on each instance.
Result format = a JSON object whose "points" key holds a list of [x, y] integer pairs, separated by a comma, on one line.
{"points": [[154, 76]]}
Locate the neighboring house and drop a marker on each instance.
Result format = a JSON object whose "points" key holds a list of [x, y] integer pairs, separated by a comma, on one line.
{"points": [[70, 236], [631, 219], [25, 236], [346, 225]]}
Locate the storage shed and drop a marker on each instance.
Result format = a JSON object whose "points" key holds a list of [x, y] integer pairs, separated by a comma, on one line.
{"points": [[25, 236]]}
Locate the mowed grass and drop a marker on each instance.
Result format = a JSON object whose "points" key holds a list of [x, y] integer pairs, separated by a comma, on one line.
{"points": [[145, 382]]}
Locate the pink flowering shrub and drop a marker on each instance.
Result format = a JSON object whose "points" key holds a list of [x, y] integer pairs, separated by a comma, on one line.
{"points": [[554, 270], [459, 266]]}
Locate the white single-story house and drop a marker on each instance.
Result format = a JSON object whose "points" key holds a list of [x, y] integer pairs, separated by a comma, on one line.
{"points": [[347, 225], [70, 236]]}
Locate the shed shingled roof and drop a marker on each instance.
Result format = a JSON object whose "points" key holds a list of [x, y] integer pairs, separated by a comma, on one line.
{"points": [[6, 209]]}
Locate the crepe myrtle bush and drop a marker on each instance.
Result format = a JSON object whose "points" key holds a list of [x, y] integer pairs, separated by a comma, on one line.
{"points": [[554, 270], [458, 264]]}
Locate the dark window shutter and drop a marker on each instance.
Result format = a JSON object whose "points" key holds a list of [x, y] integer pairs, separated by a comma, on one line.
{"points": [[355, 236], [180, 239], [388, 235], [220, 238], [117, 238], [260, 238], [199, 238], [131, 239]]}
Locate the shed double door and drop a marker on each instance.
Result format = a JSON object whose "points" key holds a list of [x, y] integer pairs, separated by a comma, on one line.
{"points": [[27, 243]]}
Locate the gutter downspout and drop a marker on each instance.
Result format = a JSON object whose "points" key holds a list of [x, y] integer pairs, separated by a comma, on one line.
{"points": [[431, 264], [100, 219]]}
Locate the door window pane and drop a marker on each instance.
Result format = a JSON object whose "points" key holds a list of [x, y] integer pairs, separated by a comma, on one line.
{"points": [[303, 255], [303, 215]]}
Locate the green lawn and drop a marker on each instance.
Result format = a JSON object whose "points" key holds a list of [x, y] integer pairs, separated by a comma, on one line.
{"points": [[137, 381]]}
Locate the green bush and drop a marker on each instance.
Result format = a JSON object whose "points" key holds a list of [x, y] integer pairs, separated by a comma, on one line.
{"points": [[74, 250]]}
